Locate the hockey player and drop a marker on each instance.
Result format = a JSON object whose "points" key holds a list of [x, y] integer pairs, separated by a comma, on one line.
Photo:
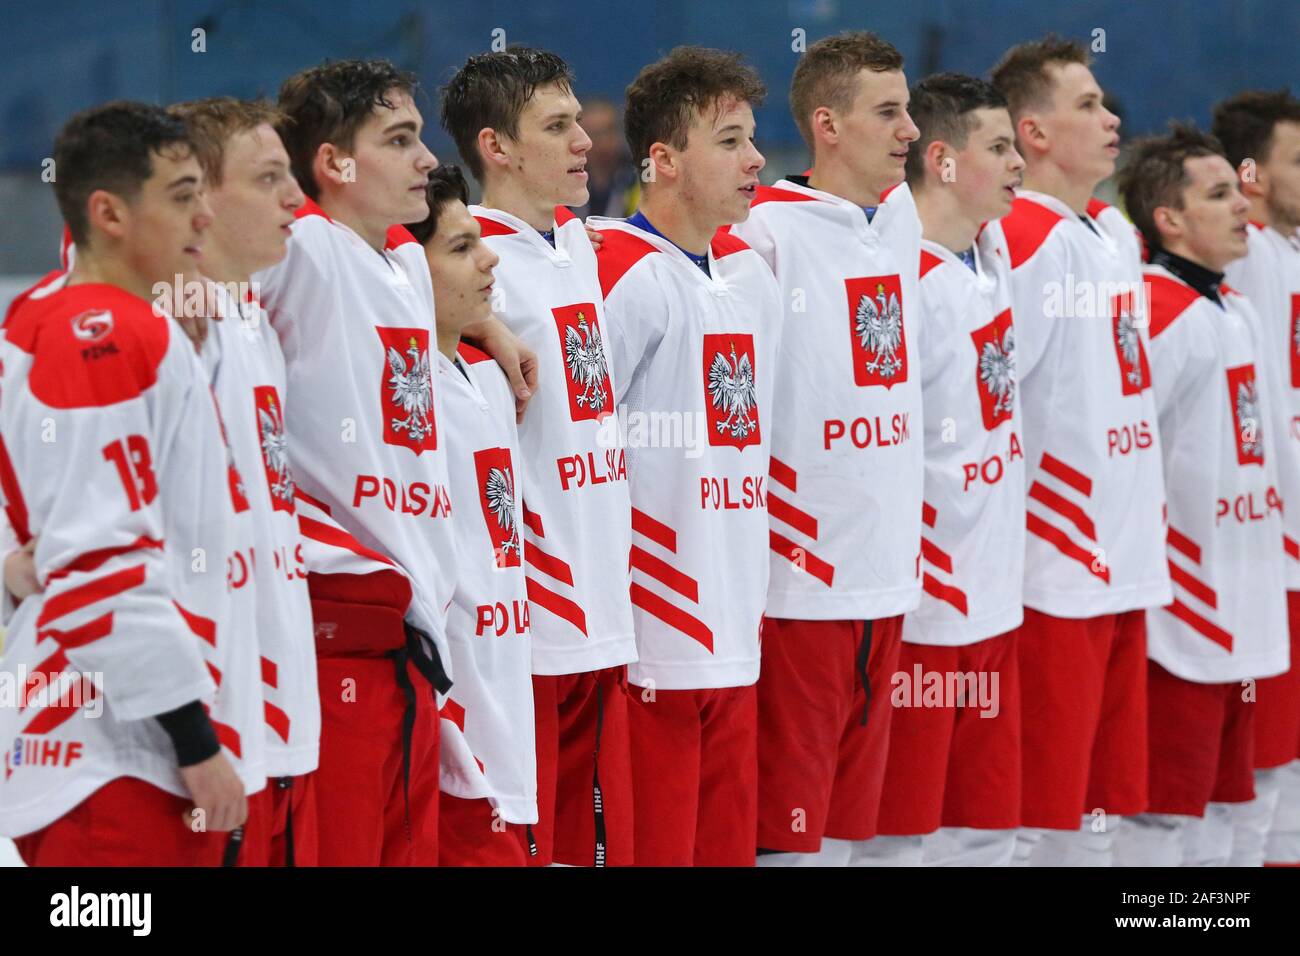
{"points": [[693, 321], [514, 118], [1227, 623], [489, 772], [954, 756], [353, 311], [121, 754], [1095, 556], [846, 440], [254, 197], [1260, 132]]}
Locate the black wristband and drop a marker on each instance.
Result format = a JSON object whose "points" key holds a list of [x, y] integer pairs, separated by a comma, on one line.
{"points": [[192, 733]]}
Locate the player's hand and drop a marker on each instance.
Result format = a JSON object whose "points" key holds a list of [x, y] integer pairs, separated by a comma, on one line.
{"points": [[217, 792], [594, 235], [516, 359], [20, 572]]}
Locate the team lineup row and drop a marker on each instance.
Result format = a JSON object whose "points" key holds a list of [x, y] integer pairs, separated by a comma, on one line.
{"points": [[330, 538]]}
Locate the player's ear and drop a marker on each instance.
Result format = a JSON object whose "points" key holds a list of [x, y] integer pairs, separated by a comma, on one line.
{"points": [[824, 126], [1168, 222], [107, 213], [491, 149], [663, 162], [1031, 134], [332, 166], [935, 155], [1253, 179]]}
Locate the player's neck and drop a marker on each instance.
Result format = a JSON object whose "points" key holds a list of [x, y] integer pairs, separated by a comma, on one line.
{"points": [[831, 176], [106, 269], [675, 223], [1044, 177], [1260, 212], [374, 234], [222, 268], [448, 341], [507, 197], [942, 219], [1182, 250]]}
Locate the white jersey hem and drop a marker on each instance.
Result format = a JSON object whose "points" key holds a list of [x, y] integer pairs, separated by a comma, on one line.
{"points": [[1076, 605], [683, 675], [854, 606], [584, 658], [961, 633]]}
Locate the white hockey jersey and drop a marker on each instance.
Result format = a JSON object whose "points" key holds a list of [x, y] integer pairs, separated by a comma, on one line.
{"points": [[845, 497], [488, 742], [694, 360], [973, 542], [243, 357], [574, 470], [1269, 276], [1228, 618], [362, 413], [1095, 497], [113, 459]]}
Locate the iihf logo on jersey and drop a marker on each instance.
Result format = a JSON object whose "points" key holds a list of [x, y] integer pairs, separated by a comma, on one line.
{"points": [[1295, 341], [1247, 420], [731, 397], [406, 389], [275, 447], [1135, 373], [496, 483], [876, 330], [590, 397], [995, 349]]}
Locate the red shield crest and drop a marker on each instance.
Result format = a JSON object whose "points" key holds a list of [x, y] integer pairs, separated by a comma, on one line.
{"points": [[730, 389], [586, 370], [1130, 352], [995, 369], [1247, 415], [876, 330], [406, 389], [498, 496], [274, 445]]}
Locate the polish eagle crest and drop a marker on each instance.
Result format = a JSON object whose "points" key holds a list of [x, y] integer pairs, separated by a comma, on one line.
{"points": [[584, 354], [879, 326], [412, 389], [732, 389], [499, 493]]}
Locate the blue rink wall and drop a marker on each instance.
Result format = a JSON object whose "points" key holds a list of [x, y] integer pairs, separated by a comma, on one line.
{"points": [[1160, 58]]}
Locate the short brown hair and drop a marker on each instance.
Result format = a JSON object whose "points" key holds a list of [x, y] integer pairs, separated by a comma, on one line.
{"points": [[111, 147], [213, 121], [1156, 175], [1245, 123], [827, 74], [942, 106], [492, 90], [1022, 74], [665, 96], [329, 103], [446, 183]]}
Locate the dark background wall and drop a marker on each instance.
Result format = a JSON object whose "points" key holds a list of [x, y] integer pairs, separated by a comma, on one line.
{"points": [[1159, 60]]}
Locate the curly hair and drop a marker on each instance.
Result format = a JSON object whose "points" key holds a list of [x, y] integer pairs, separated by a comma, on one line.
{"points": [[666, 96]]}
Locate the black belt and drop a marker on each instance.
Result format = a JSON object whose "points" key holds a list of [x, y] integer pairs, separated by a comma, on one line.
{"points": [[236, 840], [286, 783], [864, 654], [429, 664]]}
